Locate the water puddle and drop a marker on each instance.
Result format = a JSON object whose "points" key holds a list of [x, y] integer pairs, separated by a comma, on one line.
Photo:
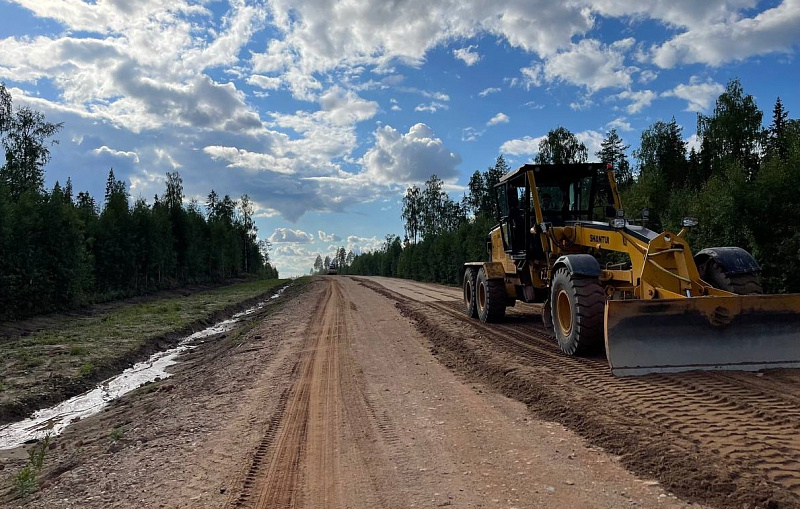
{"points": [[55, 419]]}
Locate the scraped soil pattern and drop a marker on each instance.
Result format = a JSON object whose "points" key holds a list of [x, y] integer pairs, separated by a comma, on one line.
{"points": [[725, 439], [323, 412]]}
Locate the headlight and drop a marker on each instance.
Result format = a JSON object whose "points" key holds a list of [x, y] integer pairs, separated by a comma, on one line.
{"points": [[617, 222], [688, 222]]}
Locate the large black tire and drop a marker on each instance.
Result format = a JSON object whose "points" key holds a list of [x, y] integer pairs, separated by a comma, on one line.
{"points": [[578, 305], [470, 306], [490, 297], [740, 284]]}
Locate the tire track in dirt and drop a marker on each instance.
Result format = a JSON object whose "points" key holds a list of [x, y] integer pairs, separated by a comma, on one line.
{"points": [[327, 432], [731, 418], [723, 438]]}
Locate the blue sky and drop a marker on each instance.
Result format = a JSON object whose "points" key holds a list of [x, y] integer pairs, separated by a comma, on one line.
{"points": [[325, 111]]}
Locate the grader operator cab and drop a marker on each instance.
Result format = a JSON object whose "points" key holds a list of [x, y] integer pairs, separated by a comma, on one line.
{"points": [[652, 305]]}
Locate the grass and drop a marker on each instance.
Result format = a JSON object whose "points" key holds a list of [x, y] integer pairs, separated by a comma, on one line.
{"points": [[26, 481], [116, 434], [74, 346]]}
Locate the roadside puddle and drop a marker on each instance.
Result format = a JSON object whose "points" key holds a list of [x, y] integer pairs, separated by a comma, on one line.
{"points": [[55, 419]]}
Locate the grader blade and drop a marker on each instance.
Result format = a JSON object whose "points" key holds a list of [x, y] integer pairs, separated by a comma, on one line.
{"points": [[743, 332]]}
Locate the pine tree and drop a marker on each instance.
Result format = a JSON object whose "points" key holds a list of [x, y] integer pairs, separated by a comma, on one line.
{"points": [[777, 136], [613, 151]]}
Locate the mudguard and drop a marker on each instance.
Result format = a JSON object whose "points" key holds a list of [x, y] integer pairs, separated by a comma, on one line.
{"points": [[742, 332], [580, 264], [733, 260]]}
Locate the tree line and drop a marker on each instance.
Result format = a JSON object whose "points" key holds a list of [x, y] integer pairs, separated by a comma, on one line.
{"points": [[60, 250], [742, 183]]}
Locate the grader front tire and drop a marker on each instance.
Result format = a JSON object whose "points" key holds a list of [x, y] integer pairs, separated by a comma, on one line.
{"points": [[740, 284], [577, 305]]}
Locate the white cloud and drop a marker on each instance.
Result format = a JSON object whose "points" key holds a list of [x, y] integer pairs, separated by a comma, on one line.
{"points": [[730, 38], [693, 142], [621, 124], [676, 13], [281, 235], [470, 134], [532, 76], [328, 237], [432, 107], [265, 82], [345, 107], [241, 158], [487, 91], [466, 55], [647, 76], [378, 36], [638, 100], [592, 140], [590, 64], [410, 157], [698, 95], [133, 156], [500, 118], [522, 146]]}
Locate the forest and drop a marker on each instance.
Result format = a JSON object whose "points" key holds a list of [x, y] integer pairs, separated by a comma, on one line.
{"points": [[742, 183], [60, 250]]}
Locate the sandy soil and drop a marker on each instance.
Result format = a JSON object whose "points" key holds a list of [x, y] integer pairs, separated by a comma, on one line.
{"points": [[380, 393]]}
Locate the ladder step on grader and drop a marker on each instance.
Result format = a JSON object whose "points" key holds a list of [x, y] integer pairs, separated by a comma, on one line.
{"points": [[652, 306]]}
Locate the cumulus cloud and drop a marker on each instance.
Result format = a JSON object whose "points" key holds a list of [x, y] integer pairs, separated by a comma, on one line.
{"points": [[699, 95], [466, 55], [522, 146], [241, 158], [104, 150], [733, 37], [315, 41], [345, 107], [328, 237], [281, 235], [410, 157], [592, 140], [620, 124], [500, 118], [591, 64], [487, 91], [639, 99]]}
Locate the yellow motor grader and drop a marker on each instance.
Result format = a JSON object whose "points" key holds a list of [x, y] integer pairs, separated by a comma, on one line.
{"points": [[563, 240]]}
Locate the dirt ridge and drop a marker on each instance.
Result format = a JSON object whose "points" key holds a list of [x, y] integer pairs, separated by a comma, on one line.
{"points": [[680, 465]]}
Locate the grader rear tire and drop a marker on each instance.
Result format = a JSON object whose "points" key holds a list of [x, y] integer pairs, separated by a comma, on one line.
{"points": [[470, 305], [578, 305], [740, 284], [490, 297]]}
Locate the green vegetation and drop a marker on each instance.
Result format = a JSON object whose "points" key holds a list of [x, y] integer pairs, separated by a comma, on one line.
{"points": [[742, 185], [26, 481], [86, 370], [116, 434], [59, 251], [76, 348]]}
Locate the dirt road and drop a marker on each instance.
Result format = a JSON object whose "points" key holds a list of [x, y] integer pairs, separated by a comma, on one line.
{"points": [[363, 393]]}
